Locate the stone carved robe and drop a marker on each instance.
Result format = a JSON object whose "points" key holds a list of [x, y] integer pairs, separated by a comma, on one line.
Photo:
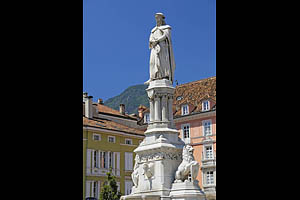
{"points": [[162, 63]]}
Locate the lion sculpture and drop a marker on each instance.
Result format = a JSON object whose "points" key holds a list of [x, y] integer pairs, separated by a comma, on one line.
{"points": [[187, 166]]}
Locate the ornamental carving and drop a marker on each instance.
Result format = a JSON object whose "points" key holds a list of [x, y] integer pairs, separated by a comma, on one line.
{"points": [[159, 156]]}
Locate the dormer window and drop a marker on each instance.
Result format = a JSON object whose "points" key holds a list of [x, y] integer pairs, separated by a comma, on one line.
{"points": [[179, 98], [205, 105], [185, 110]]}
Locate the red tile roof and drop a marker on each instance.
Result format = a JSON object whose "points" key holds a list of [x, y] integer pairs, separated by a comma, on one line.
{"points": [[193, 94], [110, 125], [107, 110]]}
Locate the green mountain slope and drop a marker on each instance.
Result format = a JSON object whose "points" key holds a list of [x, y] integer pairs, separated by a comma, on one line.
{"points": [[132, 97]]}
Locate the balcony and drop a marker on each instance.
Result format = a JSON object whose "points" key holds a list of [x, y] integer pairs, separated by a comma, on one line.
{"points": [[101, 172], [208, 162]]}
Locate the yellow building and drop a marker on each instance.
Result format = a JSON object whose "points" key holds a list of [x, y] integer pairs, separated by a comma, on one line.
{"points": [[109, 138]]}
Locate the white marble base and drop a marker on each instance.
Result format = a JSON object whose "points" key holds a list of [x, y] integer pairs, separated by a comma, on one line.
{"points": [[141, 197], [187, 191]]}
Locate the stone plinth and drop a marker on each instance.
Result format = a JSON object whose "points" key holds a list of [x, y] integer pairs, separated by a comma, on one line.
{"points": [[141, 197], [187, 191]]}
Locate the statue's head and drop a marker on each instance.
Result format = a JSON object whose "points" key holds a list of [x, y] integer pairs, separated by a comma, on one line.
{"points": [[188, 150], [160, 19]]}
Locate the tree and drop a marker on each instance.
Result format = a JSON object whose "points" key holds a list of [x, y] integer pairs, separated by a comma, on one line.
{"points": [[109, 190]]}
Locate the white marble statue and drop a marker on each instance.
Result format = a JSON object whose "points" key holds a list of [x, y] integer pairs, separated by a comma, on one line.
{"points": [[187, 166], [162, 63]]}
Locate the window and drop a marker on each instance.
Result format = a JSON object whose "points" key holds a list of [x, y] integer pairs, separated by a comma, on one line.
{"points": [[103, 159], [209, 177], [179, 98], [95, 189], [96, 137], [96, 159], [92, 189], [208, 152], [185, 110], [186, 131], [205, 105], [128, 141], [111, 139], [207, 127], [111, 160], [128, 161], [147, 118]]}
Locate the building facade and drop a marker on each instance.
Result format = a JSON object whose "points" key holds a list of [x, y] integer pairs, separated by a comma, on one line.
{"points": [[195, 117], [109, 138], [194, 111]]}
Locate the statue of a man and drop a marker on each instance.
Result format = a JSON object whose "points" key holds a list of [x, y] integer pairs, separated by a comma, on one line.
{"points": [[162, 63]]}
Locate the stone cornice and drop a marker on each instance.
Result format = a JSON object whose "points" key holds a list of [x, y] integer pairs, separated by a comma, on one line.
{"points": [[87, 127], [194, 116]]}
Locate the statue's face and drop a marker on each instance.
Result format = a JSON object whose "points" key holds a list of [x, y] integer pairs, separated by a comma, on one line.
{"points": [[158, 19]]}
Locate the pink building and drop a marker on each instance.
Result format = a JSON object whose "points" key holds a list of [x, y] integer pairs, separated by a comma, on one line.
{"points": [[195, 117]]}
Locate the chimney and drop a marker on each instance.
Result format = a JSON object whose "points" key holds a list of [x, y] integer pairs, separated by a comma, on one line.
{"points": [[100, 101], [88, 103], [122, 109]]}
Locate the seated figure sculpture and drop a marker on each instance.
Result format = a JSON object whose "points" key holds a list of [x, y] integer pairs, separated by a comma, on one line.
{"points": [[187, 166]]}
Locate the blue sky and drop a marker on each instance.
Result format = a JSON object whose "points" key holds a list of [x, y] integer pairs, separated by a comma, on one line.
{"points": [[115, 42]]}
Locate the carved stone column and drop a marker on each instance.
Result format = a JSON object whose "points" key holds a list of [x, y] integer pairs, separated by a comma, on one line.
{"points": [[164, 108], [170, 110], [151, 102], [157, 112]]}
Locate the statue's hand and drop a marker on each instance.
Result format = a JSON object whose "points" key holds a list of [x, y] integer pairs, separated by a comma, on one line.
{"points": [[153, 42]]}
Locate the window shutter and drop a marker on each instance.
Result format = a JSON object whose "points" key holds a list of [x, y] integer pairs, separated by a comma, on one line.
{"points": [[88, 160], [106, 160], [130, 161], [99, 158], [87, 189], [203, 129], [92, 190], [118, 163], [93, 159], [114, 161], [98, 190], [126, 161]]}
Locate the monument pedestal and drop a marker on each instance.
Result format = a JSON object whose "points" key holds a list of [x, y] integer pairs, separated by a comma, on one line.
{"points": [[161, 152], [187, 190]]}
